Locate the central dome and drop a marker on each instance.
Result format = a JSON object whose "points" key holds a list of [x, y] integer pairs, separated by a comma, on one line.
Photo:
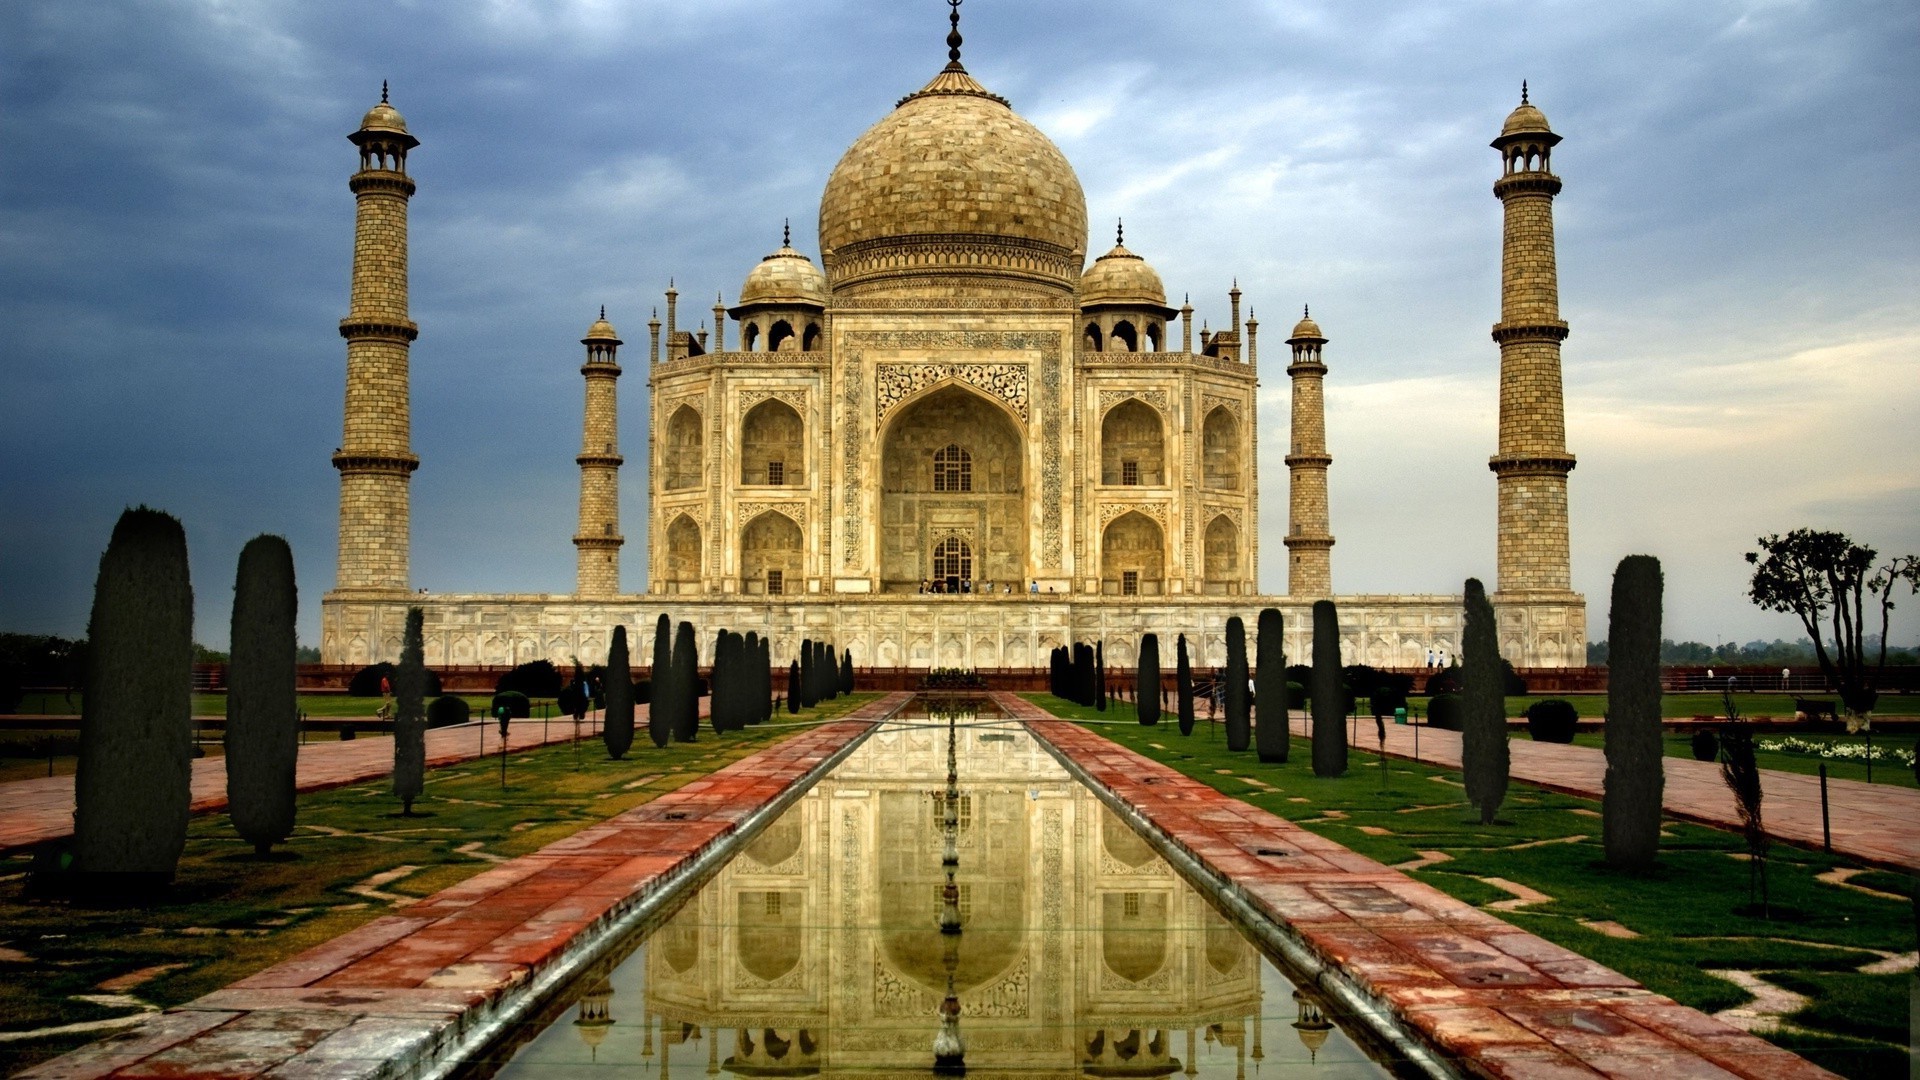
{"points": [[953, 182]]}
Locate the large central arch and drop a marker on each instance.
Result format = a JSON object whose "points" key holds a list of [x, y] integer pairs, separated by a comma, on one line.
{"points": [[953, 466]]}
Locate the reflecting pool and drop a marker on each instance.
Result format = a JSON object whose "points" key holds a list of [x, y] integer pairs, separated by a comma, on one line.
{"points": [[819, 949]]}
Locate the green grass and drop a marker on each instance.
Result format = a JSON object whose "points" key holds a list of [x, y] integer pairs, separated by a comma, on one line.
{"points": [[1885, 771], [230, 914], [1687, 706], [1687, 910]]}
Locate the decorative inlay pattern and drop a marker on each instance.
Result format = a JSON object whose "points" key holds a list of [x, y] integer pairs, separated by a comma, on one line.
{"points": [[894, 383], [1209, 402], [1155, 510], [1155, 398], [745, 512], [1050, 482], [1232, 514], [851, 482], [749, 398]]}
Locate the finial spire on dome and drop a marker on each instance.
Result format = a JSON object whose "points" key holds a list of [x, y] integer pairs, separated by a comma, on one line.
{"points": [[383, 91], [1306, 311], [1523, 91], [953, 35], [603, 311], [1120, 232], [786, 232]]}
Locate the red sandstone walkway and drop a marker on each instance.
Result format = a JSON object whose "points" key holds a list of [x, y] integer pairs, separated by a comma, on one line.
{"points": [[1502, 1001], [40, 809], [395, 996], [1877, 824]]}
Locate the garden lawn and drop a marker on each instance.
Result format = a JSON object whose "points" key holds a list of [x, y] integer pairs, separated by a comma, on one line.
{"points": [[1892, 761], [1686, 706], [1688, 913], [230, 914]]}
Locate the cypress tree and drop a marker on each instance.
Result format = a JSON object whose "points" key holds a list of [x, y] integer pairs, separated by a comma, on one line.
{"points": [[1636, 777], [134, 780], [793, 687], [1327, 695], [1100, 678], [410, 715], [720, 714], [1237, 720], [660, 685], [263, 713], [753, 677], [1146, 697], [807, 681], [765, 668], [1272, 733], [686, 685], [1053, 672], [616, 728], [1483, 735], [846, 671], [739, 689], [1183, 683]]}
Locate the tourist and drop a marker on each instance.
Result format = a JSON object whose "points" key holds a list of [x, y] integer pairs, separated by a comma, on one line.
{"points": [[1033, 586]]}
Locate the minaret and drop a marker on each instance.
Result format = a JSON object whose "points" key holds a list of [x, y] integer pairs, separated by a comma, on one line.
{"points": [[375, 457], [1532, 463], [719, 323], [1186, 324], [1309, 544], [598, 541]]}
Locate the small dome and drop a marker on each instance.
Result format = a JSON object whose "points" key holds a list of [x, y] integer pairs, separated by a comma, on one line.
{"points": [[384, 117], [601, 330], [784, 277], [1121, 277], [1525, 120], [1306, 328]]}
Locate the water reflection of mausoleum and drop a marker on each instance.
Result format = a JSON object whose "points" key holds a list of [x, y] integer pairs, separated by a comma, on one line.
{"points": [[1083, 952]]}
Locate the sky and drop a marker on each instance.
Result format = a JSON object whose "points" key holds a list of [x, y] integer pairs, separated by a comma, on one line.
{"points": [[1739, 249]]}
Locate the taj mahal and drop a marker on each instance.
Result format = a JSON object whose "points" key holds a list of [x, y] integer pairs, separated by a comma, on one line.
{"points": [[952, 441]]}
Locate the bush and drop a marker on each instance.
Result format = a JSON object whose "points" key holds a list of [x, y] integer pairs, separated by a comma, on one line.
{"points": [[1444, 712], [538, 678], [263, 715], [447, 710], [661, 691], [517, 705], [410, 716], [1146, 696], [1331, 701], [366, 681], [1385, 699], [1239, 730], [1484, 750], [1444, 681], [1706, 745], [616, 731], [1632, 793], [1296, 694], [1552, 720], [1272, 737]]}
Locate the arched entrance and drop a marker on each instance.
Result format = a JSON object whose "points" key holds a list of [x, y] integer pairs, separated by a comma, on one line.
{"points": [[772, 556], [1223, 557], [1132, 557], [953, 491], [770, 446], [681, 569]]}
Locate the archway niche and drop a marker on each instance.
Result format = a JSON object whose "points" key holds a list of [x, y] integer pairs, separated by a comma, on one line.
{"points": [[780, 337], [1133, 445], [1156, 334], [1222, 547], [772, 556], [682, 458], [993, 886], [750, 337], [952, 466], [771, 446], [1091, 338], [682, 566], [769, 931], [1132, 557], [1220, 450], [1124, 338], [810, 341]]}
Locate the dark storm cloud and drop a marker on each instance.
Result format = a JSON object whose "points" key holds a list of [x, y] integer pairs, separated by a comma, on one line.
{"points": [[1737, 243]]}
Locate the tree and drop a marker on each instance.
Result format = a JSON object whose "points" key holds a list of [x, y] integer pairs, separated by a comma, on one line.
{"points": [[793, 686], [846, 671], [134, 780], [1238, 732], [1483, 735], [1100, 676], [263, 707], [720, 714], [660, 689], [808, 681], [1146, 695], [1327, 693], [686, 685], [1183, 685], [616, 728], [755, 690], [1273, 735], [1826, 577], [764, 666], [410, 715], [1636, 776]]}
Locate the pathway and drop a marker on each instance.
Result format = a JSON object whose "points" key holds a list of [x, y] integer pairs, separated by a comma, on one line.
{"points": [[41, 809], [1873, 823]]}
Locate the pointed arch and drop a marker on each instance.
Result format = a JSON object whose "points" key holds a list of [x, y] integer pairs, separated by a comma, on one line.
{"points": [[1222, 548], [682, 462], [772, 555], [779, 334], [810, 340], [1133, 556], [773, 445], [1091, 337], [1220, 453], [1133, 445], [1124, 337], [680, 570]]}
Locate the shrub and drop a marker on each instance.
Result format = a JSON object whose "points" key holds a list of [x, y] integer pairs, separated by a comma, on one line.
{"points": [[1636, 773], [1239, 734], [809, 681], [1296, 695], [793, 682], [846, 671], [367, 681], [410, 716], [1552, 720], [616, 729], [536, 679], [686, 683], [1444, 681], [263, 712], [1444, 712], [1328, 695], [448, 710], [1706, 745], [1100, 675], [133, 786], [515, 702], [1146, 697], [1273, 737], [1385, 699], [1183, 685], [1483, 736], [661, 691]]}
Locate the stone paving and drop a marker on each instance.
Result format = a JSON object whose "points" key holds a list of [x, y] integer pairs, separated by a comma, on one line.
{"points": [[41, 809], [1873, 823], [1500, 1001], [395, 996]]}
